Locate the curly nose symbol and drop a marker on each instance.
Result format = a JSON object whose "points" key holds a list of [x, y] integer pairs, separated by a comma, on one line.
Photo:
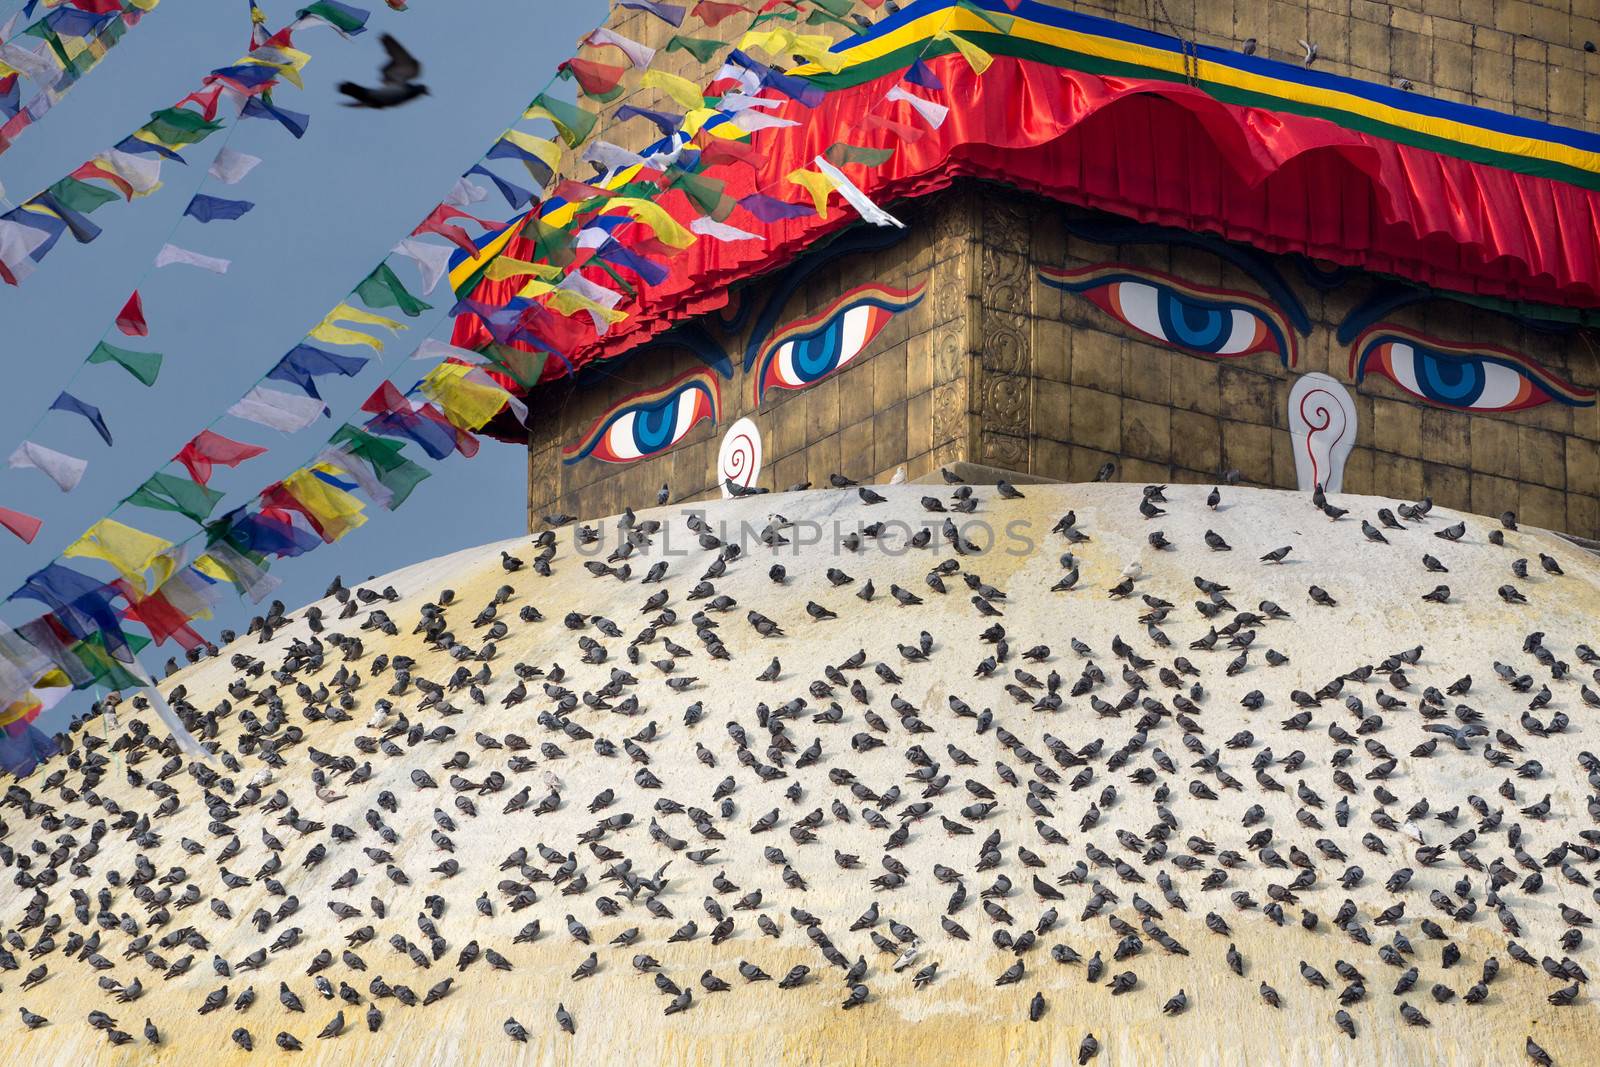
{"points": [[1322, 425]]}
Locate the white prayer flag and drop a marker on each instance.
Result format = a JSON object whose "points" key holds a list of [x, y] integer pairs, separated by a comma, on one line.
{"points": [[431, 260], [289, 412], [230, 166], [66, 471], [934, 113], [171, 253]]}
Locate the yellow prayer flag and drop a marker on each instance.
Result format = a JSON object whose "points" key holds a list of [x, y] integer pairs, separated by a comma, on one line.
{"points": [[534, 287], [544, 150], [212, 569], [130, 551], [328, 329], [817, 184], [502, 267], [468, 402], [976, 57], [569, 302], [685, 92], [667, 229], [335, 510]]}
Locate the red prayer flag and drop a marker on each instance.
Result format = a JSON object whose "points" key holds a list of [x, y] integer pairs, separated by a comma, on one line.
{"points": [[94, 170], [908, 134], [207, 98], [714, 150], [712, 12], [130, 320], [596, 79], [98, 7], [158, 615], [208, 448], [23, 525]]}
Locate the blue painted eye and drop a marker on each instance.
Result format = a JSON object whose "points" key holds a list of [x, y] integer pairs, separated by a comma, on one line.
{"points": [[808, 350], [649, 423], [1211, 322], [1471, 379]]}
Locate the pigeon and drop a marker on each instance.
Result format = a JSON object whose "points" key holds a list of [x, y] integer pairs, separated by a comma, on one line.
{"points": [[399, 80]]}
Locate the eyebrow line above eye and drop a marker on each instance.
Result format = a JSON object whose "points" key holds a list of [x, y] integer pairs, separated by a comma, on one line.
{"points": [[1247, 260]]}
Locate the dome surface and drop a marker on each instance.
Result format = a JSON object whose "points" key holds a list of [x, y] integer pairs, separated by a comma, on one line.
{"points": [[995, 800]]}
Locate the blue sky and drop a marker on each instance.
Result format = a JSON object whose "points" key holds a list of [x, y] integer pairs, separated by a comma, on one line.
{"points": [[328, 207]]}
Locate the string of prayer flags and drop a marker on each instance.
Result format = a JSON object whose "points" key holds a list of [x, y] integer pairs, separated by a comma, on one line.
{"points": [[207, 208], [66, 471], [171, 253], [208, 448], [330, 331], [144, 366], [130, 320], [24, 526], [72, 405]]}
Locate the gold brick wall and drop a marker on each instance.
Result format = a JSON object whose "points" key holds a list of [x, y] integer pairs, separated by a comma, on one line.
{"points": [[901, 401], [1102, 390]]}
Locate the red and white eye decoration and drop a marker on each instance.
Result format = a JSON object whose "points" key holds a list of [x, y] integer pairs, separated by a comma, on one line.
{"points": [[649, 423]]}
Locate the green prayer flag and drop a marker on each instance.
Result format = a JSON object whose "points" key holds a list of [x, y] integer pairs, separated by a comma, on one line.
{"points": [[396, 473], [176, 127], [525, 367], [144, 366], [80, 195], [708, 194], [170, 492], [573, 122], [342, 18], [835, 7], [383, 289], [1001, 22], [841, 153], [103, 666], [698, 47]]}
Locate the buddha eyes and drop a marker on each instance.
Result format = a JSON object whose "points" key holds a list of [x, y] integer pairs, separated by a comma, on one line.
{"points": [[1208, 322], [810, 349], [1469, 379], [649, 423]]}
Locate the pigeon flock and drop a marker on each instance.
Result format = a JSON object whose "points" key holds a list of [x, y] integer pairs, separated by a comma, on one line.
{"points": [[938, 773]]}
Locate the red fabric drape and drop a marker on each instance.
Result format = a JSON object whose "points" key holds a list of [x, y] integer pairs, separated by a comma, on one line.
{"points": [[1152, 151]]}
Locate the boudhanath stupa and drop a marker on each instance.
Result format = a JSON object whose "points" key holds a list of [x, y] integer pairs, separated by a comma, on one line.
{"points": [[1076, 542]]}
